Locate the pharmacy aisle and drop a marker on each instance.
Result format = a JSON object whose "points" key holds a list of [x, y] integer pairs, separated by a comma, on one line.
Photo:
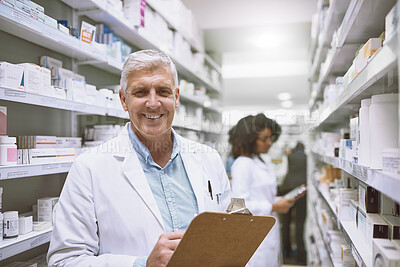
{"points": [[354, 172]]}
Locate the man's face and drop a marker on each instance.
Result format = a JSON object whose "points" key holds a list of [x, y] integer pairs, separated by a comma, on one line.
{"points": [[150, 100]]}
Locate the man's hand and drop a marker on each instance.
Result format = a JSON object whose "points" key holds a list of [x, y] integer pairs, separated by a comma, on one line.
{"points": [[282, 205], [162, 251]]}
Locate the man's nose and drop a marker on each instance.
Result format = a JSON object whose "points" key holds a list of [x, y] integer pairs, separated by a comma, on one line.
{"points": [[153, 100]]}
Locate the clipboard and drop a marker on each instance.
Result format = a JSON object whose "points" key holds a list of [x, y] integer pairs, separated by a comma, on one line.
{"points": [[221, 240]]}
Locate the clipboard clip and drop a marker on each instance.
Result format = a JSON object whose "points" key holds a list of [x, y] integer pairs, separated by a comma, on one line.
{"points": [[237, 206]]}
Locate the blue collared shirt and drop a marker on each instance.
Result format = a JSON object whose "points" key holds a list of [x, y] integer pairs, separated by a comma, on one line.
{"points": [[170, 186]]}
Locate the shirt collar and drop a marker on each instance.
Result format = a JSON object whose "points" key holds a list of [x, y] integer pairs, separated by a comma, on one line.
{"points": [[144, 152]]}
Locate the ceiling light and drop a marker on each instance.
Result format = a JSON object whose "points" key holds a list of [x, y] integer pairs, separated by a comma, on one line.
{"points": [[287, 104], [266, 41], [284, 96]]}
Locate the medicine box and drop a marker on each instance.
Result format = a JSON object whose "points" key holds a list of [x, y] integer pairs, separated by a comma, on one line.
{"points": [[46, 79], [394, 226], [50, 21], [37, 11], [10, 3], [61, 77], [385, 253], [63, 28], [386, 205], [32, 78], [361, 221], [36, 141], [51, 155], [11, 76], [45, 207], [368, 198], [353, 212], [376, 227], [24, 6], [79, 77], [391, 21], [25, 224], [69, 142], [52, 64], [40, 226], [370, 48]]}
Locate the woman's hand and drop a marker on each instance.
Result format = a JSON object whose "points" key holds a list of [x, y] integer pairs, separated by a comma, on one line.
{"points": [[282, 205]]}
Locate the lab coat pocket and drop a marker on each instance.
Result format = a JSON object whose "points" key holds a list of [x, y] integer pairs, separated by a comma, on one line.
{"points": [[211, 201]]}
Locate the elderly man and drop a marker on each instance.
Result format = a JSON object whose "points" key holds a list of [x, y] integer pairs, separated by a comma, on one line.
{"points": [[128, 202]]}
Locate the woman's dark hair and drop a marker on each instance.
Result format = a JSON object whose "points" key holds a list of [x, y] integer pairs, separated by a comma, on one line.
{"points": [[244, 134]]}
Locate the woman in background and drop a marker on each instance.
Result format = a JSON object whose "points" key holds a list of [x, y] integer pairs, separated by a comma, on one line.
{"points": [[254, 180]]}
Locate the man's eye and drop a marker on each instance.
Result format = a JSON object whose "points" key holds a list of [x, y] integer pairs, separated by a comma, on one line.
{"points": [[139, 92], [165, 92]]}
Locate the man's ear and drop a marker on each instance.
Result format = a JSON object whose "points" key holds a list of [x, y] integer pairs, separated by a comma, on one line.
{"points": [[122, 98], [177, 97]]}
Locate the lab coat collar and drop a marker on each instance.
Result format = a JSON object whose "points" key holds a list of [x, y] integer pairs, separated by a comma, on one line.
{"points": [[134, 172], [189, 151]]}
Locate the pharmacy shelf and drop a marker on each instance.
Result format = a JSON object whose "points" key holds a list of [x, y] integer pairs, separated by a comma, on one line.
{"points": [[321, 233], [28, 170], [333, 19], [386, 183], [360, 249], [47, 101], [378, 77], [357, 25], [14, 246], [99, 11], [198, 100], [22, 25], [119, 113], [196, 129], [356, 29]]}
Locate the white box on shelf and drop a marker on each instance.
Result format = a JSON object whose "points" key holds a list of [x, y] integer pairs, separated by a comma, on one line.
{"points": [[394, 226], [376, 227], [46, 207], [362, 222], [391, 21], [46, 79], [61, 77], [37, 11], [52, 64], [353, 212], [51, 155], [10, 3], [60, 93], [11, 76], [69, 142], [63, 29], [40, 226], [386, 205], [24, 6], [50, 21], [385, 253], [33, 80], [25, 224]]}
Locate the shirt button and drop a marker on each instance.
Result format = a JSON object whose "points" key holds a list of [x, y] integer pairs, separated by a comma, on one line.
{"points": [[169, 199], [162, 172]]}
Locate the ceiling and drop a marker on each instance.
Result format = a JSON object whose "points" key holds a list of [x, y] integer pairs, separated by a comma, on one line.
{"points": [[262, 46]]}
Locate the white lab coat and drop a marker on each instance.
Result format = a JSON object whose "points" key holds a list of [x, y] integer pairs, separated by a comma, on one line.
{"points": [[256, 182], [107, 215]]}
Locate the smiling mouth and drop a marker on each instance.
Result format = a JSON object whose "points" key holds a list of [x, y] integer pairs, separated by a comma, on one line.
{"points": [[153, 117]]}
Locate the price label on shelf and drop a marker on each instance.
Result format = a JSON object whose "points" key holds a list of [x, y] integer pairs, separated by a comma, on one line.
{"points": [[15, 93]]}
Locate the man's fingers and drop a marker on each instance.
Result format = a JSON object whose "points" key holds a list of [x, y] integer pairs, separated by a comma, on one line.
{"points": [[172, 244], [174, 235]]}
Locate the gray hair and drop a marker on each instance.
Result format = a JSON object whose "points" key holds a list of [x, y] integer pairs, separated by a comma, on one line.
{"points": [[147, 60]]}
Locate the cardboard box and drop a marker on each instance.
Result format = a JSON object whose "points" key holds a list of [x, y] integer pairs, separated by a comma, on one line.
{"points": [[32, 80], [51, 155], [52, 64], [362, 222], [386, 205], [385, 253], [370, 48], [391, 21], [24, 6], [11, 76], [394, 226], [69, 142], [37, 11], [25, 224], [376, 227], [36, 141], [40, 226], [368, 198], [46, 207], [50, 22], [10, 3]]}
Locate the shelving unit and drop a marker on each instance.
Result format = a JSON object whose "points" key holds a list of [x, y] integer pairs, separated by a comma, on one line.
{"points": [[355, 29], [361, 251], [380, 76], [14, 246], [70, 49], [29, 170]]}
